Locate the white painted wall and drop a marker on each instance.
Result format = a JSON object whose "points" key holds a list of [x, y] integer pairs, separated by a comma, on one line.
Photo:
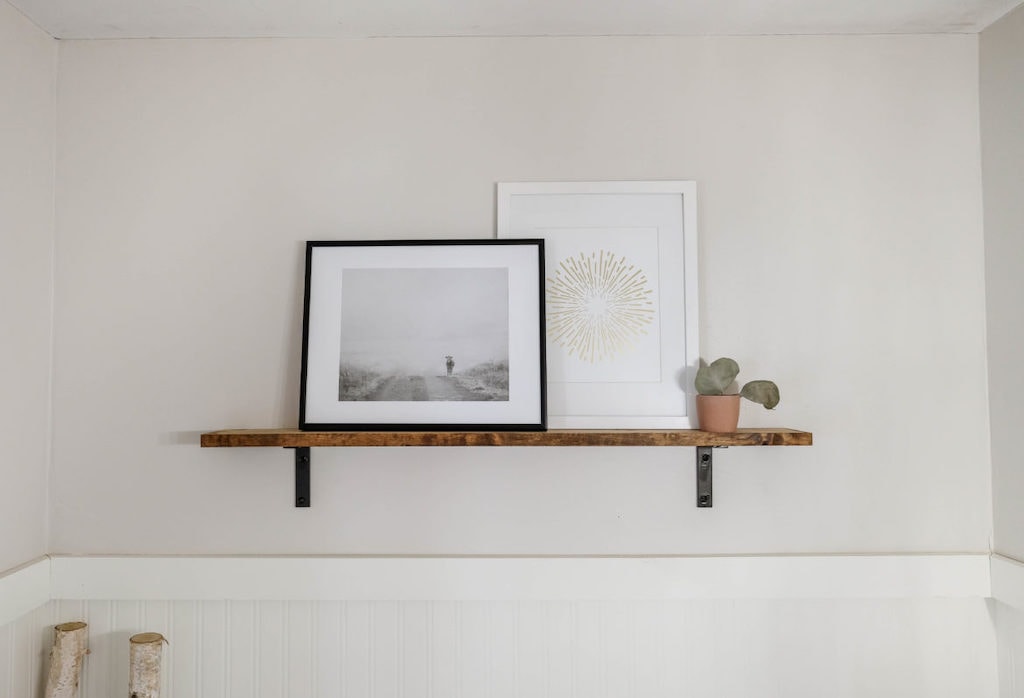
{"points": [[1002, 113], [28, 67], [841, 254], [841, 236]]}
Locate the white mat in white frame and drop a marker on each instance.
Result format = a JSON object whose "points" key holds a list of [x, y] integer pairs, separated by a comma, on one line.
{"points": [[646, 231]]}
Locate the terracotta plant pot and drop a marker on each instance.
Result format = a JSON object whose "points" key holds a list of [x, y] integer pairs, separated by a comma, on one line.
{"points": [[718, 413]]}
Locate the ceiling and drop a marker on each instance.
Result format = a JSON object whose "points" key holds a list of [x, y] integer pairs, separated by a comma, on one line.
{"points": [[107, 19]]}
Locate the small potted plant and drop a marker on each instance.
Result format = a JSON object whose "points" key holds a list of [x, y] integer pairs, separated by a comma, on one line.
{"points": [[718, 411]]}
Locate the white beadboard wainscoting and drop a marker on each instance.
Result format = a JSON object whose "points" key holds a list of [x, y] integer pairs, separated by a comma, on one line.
{"points": [[359, 649], [1009, 622], [1008, 610], [24, 648], [900, 625]]}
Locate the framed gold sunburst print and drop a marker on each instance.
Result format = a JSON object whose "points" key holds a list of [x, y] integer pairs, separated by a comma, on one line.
{"points": [[620, 295]]}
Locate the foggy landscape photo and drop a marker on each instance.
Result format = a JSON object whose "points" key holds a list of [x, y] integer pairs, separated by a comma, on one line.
{"points": [[424, 334]]}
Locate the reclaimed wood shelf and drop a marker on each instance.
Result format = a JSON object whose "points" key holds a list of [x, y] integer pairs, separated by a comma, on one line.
{"points": [[294, 438], [703, 441]]}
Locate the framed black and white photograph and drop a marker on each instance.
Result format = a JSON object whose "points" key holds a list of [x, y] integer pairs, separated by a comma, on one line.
{"points": [[622, 343], [423, 335]]}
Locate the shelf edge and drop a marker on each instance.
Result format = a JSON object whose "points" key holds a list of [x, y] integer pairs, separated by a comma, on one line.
{"points": [[294, 438]]}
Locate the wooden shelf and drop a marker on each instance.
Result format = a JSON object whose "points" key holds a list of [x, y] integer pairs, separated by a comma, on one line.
{"points": [[704, 441], [294, 438]]}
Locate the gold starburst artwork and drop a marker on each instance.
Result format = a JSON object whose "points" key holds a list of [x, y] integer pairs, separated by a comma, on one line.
{"points": [[598, 305]]}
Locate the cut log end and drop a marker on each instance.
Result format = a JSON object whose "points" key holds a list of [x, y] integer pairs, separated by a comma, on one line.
{"points": [[69, 627], [146, 638]]}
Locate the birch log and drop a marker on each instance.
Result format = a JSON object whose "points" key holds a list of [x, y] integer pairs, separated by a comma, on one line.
{"points": [[146, 653], [66, 657]]}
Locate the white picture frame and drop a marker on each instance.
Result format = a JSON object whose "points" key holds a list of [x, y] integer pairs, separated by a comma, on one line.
{"points": [[621, 295]]}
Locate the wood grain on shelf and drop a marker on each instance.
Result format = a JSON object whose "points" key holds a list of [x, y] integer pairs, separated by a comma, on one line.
{"points": [[291, 438]]}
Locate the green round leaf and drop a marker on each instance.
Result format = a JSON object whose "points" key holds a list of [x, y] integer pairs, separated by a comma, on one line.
{"points": [[714, 378], [762, 392]]}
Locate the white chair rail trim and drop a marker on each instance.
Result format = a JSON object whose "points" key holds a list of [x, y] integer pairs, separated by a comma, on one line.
{"points": [[1007, 581], [23, 589], [519, 578], [126, 578]]}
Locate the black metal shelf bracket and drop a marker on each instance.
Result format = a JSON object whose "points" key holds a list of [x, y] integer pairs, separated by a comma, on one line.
{"points": [[301, 475], [704, 463], [704, 476]]}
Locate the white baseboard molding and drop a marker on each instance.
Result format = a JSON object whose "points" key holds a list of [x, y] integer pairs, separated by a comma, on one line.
{"points": [[1008, 581], [24, 589], [520, 578]]}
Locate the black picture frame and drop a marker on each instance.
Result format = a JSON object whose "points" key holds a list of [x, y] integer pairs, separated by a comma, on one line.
{"points": [[423, 335]]}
